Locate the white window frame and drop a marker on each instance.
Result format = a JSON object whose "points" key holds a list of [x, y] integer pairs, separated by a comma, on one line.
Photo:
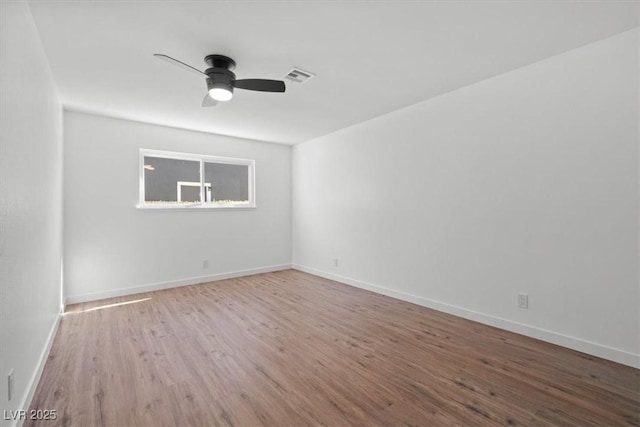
{"points": [[205, 187]]}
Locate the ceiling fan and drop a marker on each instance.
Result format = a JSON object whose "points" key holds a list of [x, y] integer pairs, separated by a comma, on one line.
{"points": [[221, 81]]}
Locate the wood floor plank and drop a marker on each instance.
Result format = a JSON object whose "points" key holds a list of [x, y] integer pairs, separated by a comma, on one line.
{"points": [[292, 349]]}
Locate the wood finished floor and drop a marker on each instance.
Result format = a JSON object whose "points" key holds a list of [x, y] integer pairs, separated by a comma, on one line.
{"points": [[292, 349]]}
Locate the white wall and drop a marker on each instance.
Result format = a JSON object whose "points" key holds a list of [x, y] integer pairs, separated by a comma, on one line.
{"points": [[113, 248], [526, 182], [30, 204]]}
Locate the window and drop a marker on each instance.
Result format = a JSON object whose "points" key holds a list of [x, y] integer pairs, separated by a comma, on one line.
{"points": [[179, 180]]}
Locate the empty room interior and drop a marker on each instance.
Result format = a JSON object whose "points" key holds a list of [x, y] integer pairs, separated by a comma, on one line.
{"points": [[322, 213]]}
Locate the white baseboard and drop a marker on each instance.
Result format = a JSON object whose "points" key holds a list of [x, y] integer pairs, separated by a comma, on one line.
{"points": [[595, 349], [93, 296], [37, 373]]}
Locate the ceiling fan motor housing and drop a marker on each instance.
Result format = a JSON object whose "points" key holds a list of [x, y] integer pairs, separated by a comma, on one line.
{"points": [[220, 78], [220, 61], [220, 74]]}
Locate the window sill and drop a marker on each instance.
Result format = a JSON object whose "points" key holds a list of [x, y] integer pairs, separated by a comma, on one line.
{"points": [[193, 207]]}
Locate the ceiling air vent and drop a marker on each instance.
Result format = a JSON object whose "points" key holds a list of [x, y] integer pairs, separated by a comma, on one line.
{"points": [[299, 76]]}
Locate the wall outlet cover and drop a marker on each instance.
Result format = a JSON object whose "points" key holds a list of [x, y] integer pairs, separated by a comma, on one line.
{"points": [[523, 300]]}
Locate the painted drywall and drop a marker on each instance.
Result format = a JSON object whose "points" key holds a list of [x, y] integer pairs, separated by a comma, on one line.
{"points": [[523, 183], [114, 248], [30, 205]]}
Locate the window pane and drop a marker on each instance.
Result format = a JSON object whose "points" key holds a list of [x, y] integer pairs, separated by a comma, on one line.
{"points": [[171, 180], [189, 192], [229, 183]]}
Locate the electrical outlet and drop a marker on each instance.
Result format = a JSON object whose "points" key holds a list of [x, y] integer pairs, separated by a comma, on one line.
{"points": [[523, 300], [10, 385], [335, 262], [205, 263]]}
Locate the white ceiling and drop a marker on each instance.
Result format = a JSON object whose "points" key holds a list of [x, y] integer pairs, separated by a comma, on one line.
{"points": [[370, 57]]}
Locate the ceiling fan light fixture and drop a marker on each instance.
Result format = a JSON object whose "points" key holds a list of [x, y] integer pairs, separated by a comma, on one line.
{"points": [[221, 93], [220, 89]]}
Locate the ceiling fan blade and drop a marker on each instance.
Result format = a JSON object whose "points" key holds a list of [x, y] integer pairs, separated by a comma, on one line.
{"points": [[209, 101], [261, 85], [177, 63]]}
